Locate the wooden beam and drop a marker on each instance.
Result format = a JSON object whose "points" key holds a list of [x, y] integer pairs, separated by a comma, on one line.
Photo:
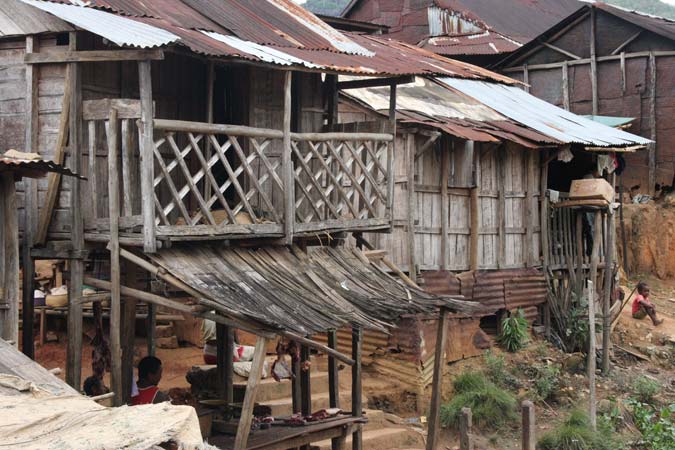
{"points": [[210, 88], [594, 62], [410, 169], [610, 248], [147, 156], [244, 426], [652, 124], [560, 50], [374, 82], [622, 67], [10, 251], [73, 56], [526, 78], [357, 394], [74, 349], [30, 202], [625, 43], [474, 205], [127, 108], [391, 152], [54, 178], [445, 207], [584, 61], [565, 86], [287, 162], [114, 246], [437, 382]]}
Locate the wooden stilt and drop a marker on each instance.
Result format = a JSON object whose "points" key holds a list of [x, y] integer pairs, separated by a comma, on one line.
{"points": [[147, 156], [529, 427], [334, 385], [465, 425], [225, 359], [296, 388], [608, 282], [244, 427], [151, 324], [10, 252], [74, 349], [357, 407], [128, 334], [437, 381], [445, 206], [595, 256], [287, 162], [305, 387], [412, 213]]}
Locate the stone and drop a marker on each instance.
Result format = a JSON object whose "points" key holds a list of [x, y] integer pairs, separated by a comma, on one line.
{"points": [[574, 363], [167, 342]]}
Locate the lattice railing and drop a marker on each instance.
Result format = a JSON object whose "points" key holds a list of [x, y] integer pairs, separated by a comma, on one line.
{"points": [[215, 179], [340, 178]]}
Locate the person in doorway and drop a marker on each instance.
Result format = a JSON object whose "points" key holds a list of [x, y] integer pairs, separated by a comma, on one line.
{"points": [[642, 307], [149, 376]]}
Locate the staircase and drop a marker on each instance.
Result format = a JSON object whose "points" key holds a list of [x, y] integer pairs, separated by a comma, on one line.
{"points": [[383, 431]]}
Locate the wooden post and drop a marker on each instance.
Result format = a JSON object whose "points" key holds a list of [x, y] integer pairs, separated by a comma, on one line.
{"points": [[128, 331], [531, 208], [437, 381], [565, 86], [412, 205], [595, 256], [296, 388], [594, 62], [357, 338], [652, 123], [474, 238], [287, 162], [391, 153], [74, 349], [306, 383], [10, 250], [115, 294], [501, 205], [30, 203], [244, 427], [151, 325], [610, 248], [210, 86], [147, 156], [526, 78], [445, 207], [529, 427], [334, 385], [225, 361], [624, 242], [465, 438]]}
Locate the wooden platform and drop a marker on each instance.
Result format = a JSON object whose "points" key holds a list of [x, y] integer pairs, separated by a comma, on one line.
{"points": [[285, 437]]}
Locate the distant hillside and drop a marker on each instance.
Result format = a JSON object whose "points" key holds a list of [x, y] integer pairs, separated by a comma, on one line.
{"points": [[326, 7], [655, 7]]}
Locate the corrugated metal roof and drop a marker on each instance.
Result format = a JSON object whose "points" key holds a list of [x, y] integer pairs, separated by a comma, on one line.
{"points": [[19, 19], [544, 117], [117, 29], [484, 43], [18, 161], [659, 25]]}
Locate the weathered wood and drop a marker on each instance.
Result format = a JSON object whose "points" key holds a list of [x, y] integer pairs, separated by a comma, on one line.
{"points": [[210, 87], [529, 427], [594, 62], [10, 252], [127, 108], [412, 207], [92, 175], [296, 389], [543, 215], [306, 383], [74, 348], [54, 179], [391, 151], [114, 247], [147, 155], [465, 425], [652, 124], [75, 56], [325, 137], [151, 325], [375, 82], [625, 43], [595, 256], [317, 346], [526, 78], [224, 361], [585, 61], [437, 382], [445, 207], [244, 427], [501, 208], [357, 395], [333, 376], [210, 128], [127, 157], [622, 67], [565, 86], [608, 285], [30, 201], [561, 50], [128, 333], [474, 210], [531, 210], [287, 162]]}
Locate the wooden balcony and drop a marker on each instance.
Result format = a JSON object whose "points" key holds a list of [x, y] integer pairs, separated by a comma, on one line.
{"points": [[211, 181]]}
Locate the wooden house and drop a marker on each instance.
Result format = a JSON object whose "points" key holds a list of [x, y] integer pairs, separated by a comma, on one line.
{"points": [[208, 135], [606, 61]]}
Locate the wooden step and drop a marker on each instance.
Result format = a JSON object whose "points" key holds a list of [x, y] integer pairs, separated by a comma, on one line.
{"points": [[383, 438], [284, 406], [270, 389]]}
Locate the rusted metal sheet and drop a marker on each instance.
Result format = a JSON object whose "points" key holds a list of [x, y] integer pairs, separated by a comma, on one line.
{"points": [[24, 165], [482, 43]]}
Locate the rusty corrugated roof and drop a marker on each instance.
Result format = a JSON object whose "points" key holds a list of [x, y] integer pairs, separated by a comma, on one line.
{"points": [[486, 43], [27, 164]]}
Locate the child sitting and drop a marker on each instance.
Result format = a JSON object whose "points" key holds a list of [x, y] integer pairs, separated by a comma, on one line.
{"points": [[642, 307]]}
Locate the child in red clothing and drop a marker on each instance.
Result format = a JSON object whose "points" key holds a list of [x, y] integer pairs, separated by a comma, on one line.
{"points": [[642, 307]]}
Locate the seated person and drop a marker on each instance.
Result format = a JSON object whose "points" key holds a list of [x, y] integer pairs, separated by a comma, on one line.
{"points": [[93, 386], [149, 376], [642, 307]]}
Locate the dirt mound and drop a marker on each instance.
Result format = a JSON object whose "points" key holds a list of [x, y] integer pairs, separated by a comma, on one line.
{"points": [[650, 235]]}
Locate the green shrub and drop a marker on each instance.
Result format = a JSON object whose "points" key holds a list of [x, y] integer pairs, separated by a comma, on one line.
{"points": [[514, 332], [576, 434], [547, 381], [645, 388], [490, 405], [496, 371], [657, 426]]}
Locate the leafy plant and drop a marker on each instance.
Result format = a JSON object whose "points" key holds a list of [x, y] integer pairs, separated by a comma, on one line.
{"points": [[645, 388], [657, 426], [491, 406], [547, 381], [514, 332], [576, 434]]}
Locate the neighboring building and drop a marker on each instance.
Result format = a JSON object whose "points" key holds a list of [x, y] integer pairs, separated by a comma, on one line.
{"points": [[477, 31], [608, 61]]}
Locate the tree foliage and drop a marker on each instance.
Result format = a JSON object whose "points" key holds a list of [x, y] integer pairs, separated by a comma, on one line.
{"points": [[654, 7], [326, 7]]}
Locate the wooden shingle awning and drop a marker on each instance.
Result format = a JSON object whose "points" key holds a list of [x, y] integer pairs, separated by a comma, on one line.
{"points": [[286, 289]]}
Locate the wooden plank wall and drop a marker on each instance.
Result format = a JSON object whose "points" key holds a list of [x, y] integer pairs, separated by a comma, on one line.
{"points": [[502, 177]]}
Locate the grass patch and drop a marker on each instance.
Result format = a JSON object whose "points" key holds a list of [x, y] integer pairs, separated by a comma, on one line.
{"points": [[645, 389], [491, 406], [547, 382], [495, 369], [576, 434]]}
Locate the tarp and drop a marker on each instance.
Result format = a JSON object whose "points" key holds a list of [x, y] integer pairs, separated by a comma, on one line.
{"points": [[38, 419]]}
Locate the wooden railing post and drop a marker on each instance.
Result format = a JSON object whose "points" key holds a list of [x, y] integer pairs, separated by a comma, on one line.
{"points": [[287, 163], [529, 428], [391, 152], [465, 423], [357, 337], [147, 156]]}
